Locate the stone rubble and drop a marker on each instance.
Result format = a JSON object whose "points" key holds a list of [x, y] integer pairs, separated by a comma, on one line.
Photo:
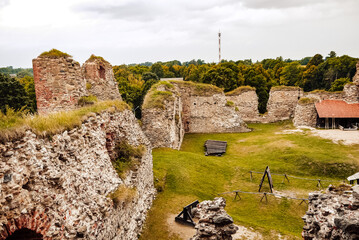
{"points": [[59, 186], [214, 223], [333, 214]]}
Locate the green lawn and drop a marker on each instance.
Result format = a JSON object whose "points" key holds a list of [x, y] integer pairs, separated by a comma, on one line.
{"points": [[187, 175]]}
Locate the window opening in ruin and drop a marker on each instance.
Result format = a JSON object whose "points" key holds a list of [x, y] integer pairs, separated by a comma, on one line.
{"points": [[25, 233], [102, 72]]}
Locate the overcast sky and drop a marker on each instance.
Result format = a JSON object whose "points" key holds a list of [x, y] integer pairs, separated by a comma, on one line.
{"points": [[135, 31]]}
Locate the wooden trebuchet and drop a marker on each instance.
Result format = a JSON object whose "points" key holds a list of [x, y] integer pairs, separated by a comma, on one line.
{"points": [[185, 217]]}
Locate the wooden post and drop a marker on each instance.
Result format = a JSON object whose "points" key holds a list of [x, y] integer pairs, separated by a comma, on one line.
{"points": [[285, 177], [319, 184], [333, 123], [251, 175], [264, 196], [303, 201], [237, 195], [326, 126]]}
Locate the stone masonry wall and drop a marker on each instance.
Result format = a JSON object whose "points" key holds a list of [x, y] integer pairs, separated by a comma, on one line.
{"points": [[332, 215], [305, 113], [188, 111], [100, 80], [246, 103], [59, 186], [281, 103], [356, 76], [58, 83], [164, 127]]}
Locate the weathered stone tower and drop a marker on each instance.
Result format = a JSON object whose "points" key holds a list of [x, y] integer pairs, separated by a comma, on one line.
{"points": [[100, 80], [58, 82]]}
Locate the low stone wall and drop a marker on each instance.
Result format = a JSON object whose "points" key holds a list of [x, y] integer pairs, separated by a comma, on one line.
{"points": [[245, 100], [305, 113], [332, 215], [59, 186]]}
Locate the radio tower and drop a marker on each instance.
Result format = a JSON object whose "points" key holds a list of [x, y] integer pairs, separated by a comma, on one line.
{"points": [[219, 41]]}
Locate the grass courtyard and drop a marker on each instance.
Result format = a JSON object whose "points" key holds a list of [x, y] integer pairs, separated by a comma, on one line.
{"points": [[187, 175]]}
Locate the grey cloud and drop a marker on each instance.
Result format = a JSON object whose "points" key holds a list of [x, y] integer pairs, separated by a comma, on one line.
{"points": [[132, 11], [282, 4]]}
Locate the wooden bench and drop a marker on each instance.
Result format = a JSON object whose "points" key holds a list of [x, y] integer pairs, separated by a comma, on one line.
{"points": [[214, 147]]}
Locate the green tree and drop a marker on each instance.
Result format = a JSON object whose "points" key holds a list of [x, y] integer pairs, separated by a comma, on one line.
{"points": [[157, 69], [291, 74], [12, 93], [28, 83], [316, 60], [338, 85]]}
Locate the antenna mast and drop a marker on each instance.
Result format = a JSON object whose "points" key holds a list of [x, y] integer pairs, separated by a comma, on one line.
{"points": [[219, 41]]}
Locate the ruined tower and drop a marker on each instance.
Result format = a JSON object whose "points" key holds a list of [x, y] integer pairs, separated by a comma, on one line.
{"points": [[58, 82], [100, 80]]}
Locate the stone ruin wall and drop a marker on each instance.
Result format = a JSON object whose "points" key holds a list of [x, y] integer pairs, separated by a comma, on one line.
{"points": [[58, 83], [333, 214], [305, 113], [356, 76], [188, 112], [164, 127], [59, 186], [100, 79], [61, 82], [281, 103], [246, 103]]}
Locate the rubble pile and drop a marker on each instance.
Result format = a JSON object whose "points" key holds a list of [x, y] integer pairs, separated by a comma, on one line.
{"points": [[214, 223], [333, 214]]}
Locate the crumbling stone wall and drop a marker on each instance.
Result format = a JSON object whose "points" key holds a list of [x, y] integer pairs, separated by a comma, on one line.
{"points": [[356, 76], [190, 108], [100, 80], [351, 93], [58, 83], [163, 126], [245, 100], [305, 112], [213, 221], [333, 215], [60, 186], [281, 103]]}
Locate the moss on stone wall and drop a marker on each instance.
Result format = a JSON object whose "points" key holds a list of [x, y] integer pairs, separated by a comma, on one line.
{"points": [[199, 89], [158, 95], [54, 53], [239, 90], [305, 101], [285, 88], [94, 58]]}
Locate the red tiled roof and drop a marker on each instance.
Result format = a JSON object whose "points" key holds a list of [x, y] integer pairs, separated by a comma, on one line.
{"points": [[337, 109]]}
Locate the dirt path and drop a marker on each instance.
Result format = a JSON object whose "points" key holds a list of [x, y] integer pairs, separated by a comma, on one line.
{"points": [[338, 136]]}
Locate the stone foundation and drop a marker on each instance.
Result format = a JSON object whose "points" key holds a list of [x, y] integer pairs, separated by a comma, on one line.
{"points": [[60, 186]]}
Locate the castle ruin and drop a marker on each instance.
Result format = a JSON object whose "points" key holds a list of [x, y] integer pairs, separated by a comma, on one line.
{"points": [[60, 81]]}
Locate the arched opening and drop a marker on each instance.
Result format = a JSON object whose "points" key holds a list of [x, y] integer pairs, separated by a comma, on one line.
{"points": [[102, 72], [25, 233]]}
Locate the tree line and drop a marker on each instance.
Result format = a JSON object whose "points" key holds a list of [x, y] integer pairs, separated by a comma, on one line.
{"points": [[134, 80], [310, 73]]}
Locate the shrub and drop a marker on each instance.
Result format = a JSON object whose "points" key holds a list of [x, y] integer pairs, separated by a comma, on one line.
{"points": [[54, 53], [88, 86], [123, 194], [87, 100], [127, 157], [93, 58]]}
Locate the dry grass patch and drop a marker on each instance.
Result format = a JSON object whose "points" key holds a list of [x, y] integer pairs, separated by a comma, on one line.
{"points": [[54, 53], [240, 90], [123, 195], [14, 124]]}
